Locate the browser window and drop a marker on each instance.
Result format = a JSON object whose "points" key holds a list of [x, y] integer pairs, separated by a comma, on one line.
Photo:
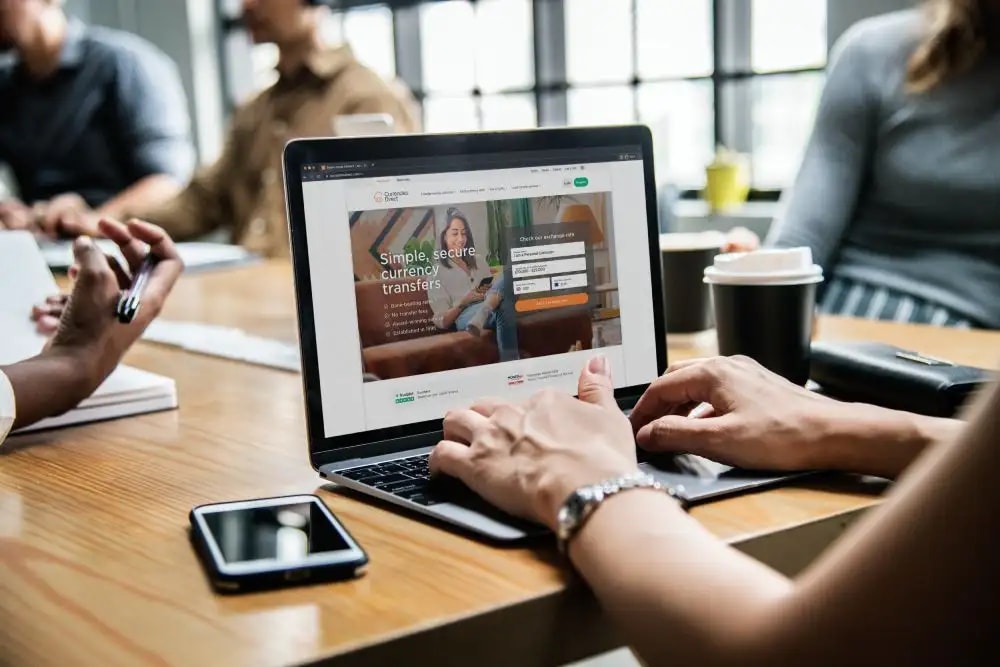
{"points": [[437, 282]]}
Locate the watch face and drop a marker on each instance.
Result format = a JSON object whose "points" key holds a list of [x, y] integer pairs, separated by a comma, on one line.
{"points": [[577, 505], [584, 498]]}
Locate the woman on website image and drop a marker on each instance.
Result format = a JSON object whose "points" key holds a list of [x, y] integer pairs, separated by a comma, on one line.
{"points": [[466, 296]]}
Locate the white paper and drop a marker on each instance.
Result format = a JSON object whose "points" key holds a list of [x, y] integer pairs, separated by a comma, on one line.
{"points": [[59, 254], [225, 342], [25, 281]]}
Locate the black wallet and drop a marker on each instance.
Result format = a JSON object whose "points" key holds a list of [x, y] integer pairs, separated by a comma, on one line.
{"points": [[894, 378]]}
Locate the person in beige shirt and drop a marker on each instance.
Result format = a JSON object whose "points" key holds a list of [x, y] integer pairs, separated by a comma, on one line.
{"points": [[242, 192]]}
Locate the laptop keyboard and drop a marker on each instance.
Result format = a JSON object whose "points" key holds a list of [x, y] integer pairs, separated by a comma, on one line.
{"points": [[408, 478]]}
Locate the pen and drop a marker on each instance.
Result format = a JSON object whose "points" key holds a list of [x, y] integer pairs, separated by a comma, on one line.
{"points": [[130, 301]]}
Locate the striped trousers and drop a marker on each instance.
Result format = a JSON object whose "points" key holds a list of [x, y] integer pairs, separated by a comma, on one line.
{"points": [[857, 299]]}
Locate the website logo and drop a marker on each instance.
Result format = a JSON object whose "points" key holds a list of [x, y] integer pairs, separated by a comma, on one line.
{"points": [[407, 397], [390, 197], [514, 380]]}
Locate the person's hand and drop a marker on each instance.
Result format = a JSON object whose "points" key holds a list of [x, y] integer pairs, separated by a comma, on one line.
{"points": [[527, 459], [473, 296], [15, 215], [88, 330], [67, 215], [757, 419], [741, 239], [46, 315]]}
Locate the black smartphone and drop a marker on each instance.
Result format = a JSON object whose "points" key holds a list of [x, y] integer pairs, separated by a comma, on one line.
{"points": [[254, 545], [486, 282]]}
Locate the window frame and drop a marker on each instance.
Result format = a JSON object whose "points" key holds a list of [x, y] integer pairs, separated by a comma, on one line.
{"points": [[731, 78]]}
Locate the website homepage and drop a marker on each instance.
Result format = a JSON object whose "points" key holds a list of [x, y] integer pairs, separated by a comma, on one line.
{"points": [[433, 290]]}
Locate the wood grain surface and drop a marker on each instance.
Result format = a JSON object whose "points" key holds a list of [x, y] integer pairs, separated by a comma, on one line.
{"points": [[96, 568]]}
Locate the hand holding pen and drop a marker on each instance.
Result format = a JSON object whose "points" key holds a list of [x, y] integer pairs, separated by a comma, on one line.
{"points": [[131, 300], [90, 334], [144, 247]]}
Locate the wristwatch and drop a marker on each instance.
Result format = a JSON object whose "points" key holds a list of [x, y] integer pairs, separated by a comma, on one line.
{"points": [[583, 502]]}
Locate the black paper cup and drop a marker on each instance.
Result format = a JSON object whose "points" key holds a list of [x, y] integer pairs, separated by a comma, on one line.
{"points": [[763, 314], [687, 299], [769, 323]]}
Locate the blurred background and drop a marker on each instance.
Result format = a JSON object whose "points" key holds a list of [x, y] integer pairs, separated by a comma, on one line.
{"points": [[746, 74]]}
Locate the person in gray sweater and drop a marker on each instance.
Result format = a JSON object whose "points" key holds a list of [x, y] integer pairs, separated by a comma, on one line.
{"points": [[899, 191]]}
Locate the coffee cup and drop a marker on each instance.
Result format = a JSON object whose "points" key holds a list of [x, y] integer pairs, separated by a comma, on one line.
{"points": [[764, 303], [687, 299]]}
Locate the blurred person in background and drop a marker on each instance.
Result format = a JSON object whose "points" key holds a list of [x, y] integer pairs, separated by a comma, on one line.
{"points": [[898, 192], [242, 191], [92, 121]]}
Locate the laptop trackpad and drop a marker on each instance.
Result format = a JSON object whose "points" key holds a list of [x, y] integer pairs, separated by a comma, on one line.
{"points": [[685, 464], [698, 478]]}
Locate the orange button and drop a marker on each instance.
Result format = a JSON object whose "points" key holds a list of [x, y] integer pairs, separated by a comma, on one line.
{"points": [[549, 302]]}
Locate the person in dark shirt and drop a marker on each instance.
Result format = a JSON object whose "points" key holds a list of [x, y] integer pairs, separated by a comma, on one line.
{"points": [[93, 121], [242, 192]]}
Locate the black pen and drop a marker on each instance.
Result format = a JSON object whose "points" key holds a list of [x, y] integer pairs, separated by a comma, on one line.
{"points": [[130, 301]]}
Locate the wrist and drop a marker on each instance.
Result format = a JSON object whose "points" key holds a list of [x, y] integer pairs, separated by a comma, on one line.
{"points": [[556, 489], [867, 439], [79, 366], [624, 509], [49, 384]]}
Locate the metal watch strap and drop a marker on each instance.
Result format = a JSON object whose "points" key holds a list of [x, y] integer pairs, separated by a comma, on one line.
{"points": [[583, 502]]}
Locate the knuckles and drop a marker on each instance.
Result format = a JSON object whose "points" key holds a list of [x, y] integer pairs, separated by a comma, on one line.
{"points": [[89, 274], [548, 397]]}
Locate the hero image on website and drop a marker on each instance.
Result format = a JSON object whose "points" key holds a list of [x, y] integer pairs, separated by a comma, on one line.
{"points": [[444, 287]]}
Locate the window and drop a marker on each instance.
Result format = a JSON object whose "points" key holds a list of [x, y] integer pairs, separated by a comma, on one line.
{"points": [[477, 65], [700, 73]]}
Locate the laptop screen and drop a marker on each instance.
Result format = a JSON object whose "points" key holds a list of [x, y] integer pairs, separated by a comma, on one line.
{"points": [[438, 281]]}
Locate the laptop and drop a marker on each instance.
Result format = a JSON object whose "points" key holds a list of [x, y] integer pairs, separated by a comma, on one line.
{"points": [[388, 236]]}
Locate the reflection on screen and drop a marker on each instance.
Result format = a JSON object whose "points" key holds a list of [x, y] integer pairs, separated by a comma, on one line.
{"points": [[286, 533]]}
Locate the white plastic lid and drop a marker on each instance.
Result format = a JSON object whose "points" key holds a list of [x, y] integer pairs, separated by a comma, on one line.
{"points": [[786, 266], [692, 241]]}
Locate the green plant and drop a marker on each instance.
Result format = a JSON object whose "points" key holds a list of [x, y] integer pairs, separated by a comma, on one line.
{"points": [[497, 223], [554, 201]]}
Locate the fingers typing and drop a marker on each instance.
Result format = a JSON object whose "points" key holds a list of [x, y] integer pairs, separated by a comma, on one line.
{"points": [[461, 425], [689, 385], [451, 458], [677, 434]]}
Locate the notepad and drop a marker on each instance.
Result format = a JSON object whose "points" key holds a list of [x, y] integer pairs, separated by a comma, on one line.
{"points": [[25, 280], [196, 255]]}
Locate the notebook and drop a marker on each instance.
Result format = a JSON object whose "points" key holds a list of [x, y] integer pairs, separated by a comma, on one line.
{"points": [[197, 256], [25, 280]]}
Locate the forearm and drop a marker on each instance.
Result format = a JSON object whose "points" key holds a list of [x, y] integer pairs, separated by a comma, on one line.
{"points": [[46, 385], [870, 440], [674, 590], [143, 195], [196, 210]]}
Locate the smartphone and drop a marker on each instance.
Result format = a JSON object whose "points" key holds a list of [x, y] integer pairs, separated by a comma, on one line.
{"points": [[253, 545], [486, 282]]}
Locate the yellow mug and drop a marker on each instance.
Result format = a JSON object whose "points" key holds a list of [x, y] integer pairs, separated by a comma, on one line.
{"points": [[726, 185]]}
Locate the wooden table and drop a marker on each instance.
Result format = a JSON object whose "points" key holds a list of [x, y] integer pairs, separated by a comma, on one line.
{"points": [[95, 565]]}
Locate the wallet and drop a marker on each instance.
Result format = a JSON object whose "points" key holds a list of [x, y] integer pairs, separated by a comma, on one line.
{"points": [[895, 378]]}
